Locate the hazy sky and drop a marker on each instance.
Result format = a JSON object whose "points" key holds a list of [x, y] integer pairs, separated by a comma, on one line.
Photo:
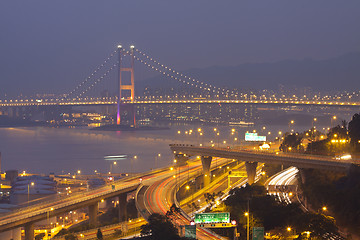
{"points": [[50, 46]]}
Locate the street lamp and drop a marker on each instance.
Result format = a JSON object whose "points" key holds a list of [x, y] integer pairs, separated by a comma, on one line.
{"points": [[32, 184], [291, 123], [131, 163], [247, 215], [156, 159]]}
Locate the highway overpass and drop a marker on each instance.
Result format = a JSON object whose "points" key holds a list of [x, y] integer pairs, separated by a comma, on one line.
{"points": [[252, 157]]}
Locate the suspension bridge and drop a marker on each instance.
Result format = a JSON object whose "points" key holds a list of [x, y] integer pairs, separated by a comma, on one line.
{"points": [[123, 61]]}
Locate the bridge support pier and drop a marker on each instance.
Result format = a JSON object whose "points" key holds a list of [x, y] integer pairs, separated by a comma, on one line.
{"points": [[122, 207], [29, 231], [93, 213], [251, 171], [206, 163]]}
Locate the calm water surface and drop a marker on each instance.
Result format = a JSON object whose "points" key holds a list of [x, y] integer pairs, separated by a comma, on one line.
{"points": [[64, 150]]}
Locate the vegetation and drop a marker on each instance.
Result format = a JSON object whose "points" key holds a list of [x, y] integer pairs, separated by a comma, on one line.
{"points": [[339, 193], [99, 234], [70, 236], [354, 132], [159, 227], [329, 188], [274, 216], [291, 143], [344, 138]]}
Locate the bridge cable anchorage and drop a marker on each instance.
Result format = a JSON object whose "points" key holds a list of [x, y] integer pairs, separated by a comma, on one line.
{"points": [[170, 72], [97, 81], [91, 75]]}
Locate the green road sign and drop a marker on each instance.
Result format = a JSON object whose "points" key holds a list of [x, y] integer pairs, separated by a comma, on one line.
{"points": [[258, 233], [190, 231], [223, 217]]}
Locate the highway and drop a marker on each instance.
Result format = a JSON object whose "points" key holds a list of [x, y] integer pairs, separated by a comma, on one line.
{"points": [[289, 159], [160, 195], [61, 204], [282, 183]]}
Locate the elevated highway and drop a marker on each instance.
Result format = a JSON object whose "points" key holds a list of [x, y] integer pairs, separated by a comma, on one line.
{"points": [[27, 216], [251, 158]]}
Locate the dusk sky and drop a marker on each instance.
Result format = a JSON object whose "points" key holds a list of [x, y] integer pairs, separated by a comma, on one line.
{"points": [[51, 46]]}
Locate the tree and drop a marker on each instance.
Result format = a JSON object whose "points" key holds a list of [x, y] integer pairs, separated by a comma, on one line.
{"points": [[354, 132], [70, 236], [291, 143], [159, 227], [99, 234]]}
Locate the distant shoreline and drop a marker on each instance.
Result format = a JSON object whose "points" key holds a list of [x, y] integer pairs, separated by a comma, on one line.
{"points": [[127, 128]]}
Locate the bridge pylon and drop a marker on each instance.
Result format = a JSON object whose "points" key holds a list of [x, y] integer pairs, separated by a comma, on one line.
{"points": [[122, 85]]}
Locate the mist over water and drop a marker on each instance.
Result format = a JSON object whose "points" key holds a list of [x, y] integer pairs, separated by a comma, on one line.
{"points": [[66, 150]]}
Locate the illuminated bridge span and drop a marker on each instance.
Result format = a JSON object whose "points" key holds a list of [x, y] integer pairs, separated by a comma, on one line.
{"points": [[123, 60], [113, 101], [251, 158]]}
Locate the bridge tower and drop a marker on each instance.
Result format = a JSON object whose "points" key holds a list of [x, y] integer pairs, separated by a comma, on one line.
{"points": [[122, 86]]}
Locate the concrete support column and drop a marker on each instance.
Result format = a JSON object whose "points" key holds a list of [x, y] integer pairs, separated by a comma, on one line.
{"points": [[93, 213], [302, 175], [122, 207], [251, 171], [29, 231], [206, 163]]}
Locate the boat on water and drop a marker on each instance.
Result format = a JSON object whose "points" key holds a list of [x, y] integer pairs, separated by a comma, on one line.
{"points": [[241, 123]]}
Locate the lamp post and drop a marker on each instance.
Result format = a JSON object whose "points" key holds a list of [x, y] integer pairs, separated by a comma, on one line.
{"points": [[333, 119], [247, 215], [291, 123], [156, 159], [131, 163], [32, 184]]}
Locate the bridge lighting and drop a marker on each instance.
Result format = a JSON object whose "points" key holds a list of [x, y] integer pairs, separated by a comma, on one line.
{"points": [[288, 229], [246, 214], [119, 46], [132, 46], [324, 208]]}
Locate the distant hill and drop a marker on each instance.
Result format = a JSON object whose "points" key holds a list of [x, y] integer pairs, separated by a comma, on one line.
{"points": [[340, 73]]}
